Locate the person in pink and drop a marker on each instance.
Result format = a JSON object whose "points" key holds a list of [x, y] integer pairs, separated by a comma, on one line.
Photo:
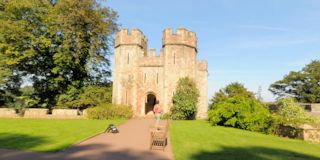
{"points": [[157, 111]]}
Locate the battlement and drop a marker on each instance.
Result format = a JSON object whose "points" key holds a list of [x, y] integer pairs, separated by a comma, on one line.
{"points": [[181, 37], [135, 37], [203, 65], [151, 59]]}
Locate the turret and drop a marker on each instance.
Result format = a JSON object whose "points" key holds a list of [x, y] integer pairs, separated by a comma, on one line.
{"points": [[181, 37], [135, 37]]}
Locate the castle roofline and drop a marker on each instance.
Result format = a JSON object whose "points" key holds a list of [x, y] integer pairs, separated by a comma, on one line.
{"points": [[182, 36]]}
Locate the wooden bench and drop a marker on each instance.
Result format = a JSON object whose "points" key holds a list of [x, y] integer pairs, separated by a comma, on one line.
{"points": [[159, 137]]}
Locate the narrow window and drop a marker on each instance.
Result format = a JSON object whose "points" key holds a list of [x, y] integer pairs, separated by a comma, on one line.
{"points": [[145, 77], [157, 78], [128, 59], [174, 58], [126, 97]]}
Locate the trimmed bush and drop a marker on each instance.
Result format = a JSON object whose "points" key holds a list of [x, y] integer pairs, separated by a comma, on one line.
{"points": [[185, 100], [109, 111]]}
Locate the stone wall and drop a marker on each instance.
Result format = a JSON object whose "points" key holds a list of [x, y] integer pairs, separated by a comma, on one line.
{"points": [[310, 133], [8, 113], [65, 113], [304, 132], [41, 113], [315, 107], [35, 113]]}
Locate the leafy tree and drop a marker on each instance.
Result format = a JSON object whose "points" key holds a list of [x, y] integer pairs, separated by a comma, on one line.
{"points": [[231, 90], [185, 100], [88, 96], [58, 44], [303, 85], [240, 112]]}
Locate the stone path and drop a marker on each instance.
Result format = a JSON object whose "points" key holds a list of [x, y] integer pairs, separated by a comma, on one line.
{"points": [[132, 143]]}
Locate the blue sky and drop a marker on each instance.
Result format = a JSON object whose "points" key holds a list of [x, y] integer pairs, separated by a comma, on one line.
{"points": [[252, 42]]}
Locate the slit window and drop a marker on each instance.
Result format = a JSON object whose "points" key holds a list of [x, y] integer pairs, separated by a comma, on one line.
{"points": [[174, 58], [128, 59], [145, 77], [126, 97], [157, 78]]}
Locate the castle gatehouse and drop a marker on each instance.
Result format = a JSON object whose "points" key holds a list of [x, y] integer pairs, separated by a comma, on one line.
{"points": [[142, 77]]}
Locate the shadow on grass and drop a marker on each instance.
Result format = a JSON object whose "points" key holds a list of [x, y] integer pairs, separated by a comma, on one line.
{"points": [[252, 153], [20, 141]]}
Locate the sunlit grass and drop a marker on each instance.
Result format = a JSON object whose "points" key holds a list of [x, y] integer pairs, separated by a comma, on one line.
{"points": [[48, 135]]}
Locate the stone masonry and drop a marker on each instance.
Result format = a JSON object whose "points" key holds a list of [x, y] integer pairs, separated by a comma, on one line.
{"points": [[142, 78]]}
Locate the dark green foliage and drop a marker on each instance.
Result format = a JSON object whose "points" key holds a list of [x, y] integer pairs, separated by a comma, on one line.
{"points": [[233, 89], [240, 112], [185, 100], [60, 46], [109, 111], [25, 100], [88, 96], [303, 85]]}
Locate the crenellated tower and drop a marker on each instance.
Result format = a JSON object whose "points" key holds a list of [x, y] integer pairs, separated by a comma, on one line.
{"points": [[142, 77], [130, 47]]}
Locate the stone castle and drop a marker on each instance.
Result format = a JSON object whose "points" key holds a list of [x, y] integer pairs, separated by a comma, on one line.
{"points": [[142, 78]]}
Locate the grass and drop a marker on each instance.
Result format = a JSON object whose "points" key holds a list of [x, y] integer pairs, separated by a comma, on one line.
{"points": [[199, 140], [48, 135]]}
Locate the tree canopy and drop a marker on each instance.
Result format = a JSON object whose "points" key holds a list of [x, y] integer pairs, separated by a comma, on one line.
{"points": [[303, 85], [231, 90], [54, 45]]}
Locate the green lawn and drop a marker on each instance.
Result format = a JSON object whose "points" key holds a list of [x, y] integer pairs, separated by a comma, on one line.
{"points": [[48, 135], [199, 140]]}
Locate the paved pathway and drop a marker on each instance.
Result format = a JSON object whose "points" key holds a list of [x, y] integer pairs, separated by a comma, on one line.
{"points": [[132, 143]]}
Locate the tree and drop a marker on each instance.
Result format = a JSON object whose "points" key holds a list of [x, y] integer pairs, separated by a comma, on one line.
{"points": [[302, 85], [240, 112], [88, 96], [231, 90], [57, 44], [185, 100]]}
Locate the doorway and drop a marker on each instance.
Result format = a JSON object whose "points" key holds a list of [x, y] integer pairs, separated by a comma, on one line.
{"points": [[151, 101]]}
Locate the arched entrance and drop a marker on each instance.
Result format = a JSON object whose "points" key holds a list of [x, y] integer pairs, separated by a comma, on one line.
{"points": [[151, 101]]}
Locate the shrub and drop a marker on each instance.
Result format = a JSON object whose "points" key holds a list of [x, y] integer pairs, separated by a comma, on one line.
{"points": [[289, 114], [109, 111], [165, 116], [185, 100], [240, 112]]}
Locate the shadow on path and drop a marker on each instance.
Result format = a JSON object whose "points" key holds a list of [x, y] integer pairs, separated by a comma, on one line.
{"points": [[251, 153], [84, 152]]}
